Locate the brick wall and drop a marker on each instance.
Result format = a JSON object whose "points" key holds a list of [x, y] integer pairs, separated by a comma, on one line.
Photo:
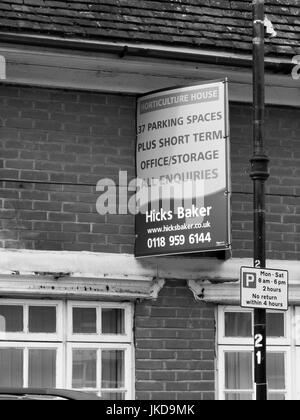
{"points": [[282, 188], [55, 145], [58, 145], [175, 346]]}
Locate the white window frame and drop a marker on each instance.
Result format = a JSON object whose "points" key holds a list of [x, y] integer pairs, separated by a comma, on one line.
{"points": [[247, 349], [26, 335], [64, 340], [271, 341], [221, 360], [25, 346], [280, 344], [296, 325], [99, 337], [297, 377], [127, 390]]}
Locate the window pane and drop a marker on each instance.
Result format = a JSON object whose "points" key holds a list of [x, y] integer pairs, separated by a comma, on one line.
{"points": [[84, 320], [84, 369], [238, 396], [275, 324], [42, 319], [11, 368], [113, 396], [276, 397], [276, 370], [238, 324], [42, 368], [113, 369], [113, 321], [11, 318], [238, 370]]}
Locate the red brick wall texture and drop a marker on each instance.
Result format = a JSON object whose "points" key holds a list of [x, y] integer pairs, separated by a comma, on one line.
{"points": [[175, 346], [55, 146]]}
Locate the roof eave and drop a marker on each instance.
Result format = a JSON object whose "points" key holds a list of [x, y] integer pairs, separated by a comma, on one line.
{"points": [[240, 59]]}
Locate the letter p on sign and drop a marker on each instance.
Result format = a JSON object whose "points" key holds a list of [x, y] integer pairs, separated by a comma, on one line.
{"points": [[2, 68], [249, 280]]}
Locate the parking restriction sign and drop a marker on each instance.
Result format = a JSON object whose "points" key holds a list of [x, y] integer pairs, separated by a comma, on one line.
{"points": [[263, 288]]}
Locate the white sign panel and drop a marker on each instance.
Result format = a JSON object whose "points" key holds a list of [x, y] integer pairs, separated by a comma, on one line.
{"points": [[183, 160], [262, 288]]}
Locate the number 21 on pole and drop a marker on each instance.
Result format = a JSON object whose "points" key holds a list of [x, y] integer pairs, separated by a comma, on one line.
{"points": [[258, 346], [260, 343]]}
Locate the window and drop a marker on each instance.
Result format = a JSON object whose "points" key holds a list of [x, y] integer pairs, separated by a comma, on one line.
{"points": [[92, 368], [74, 345], [236, 366]]}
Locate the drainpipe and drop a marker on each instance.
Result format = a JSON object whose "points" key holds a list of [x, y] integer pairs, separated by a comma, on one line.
{"points": [[259, 175]]}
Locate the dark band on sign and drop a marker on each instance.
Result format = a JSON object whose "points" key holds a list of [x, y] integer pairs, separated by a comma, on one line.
{"points": [[173, 100]]}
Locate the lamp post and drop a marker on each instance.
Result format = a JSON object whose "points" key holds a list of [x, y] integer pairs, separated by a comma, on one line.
{"points": [[259, 175]]}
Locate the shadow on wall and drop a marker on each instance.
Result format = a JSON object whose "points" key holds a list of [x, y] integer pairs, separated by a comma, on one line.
{"points": [[15, 232]]}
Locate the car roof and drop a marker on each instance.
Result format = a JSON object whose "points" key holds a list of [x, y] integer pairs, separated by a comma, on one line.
{"points": [[48, 392]]}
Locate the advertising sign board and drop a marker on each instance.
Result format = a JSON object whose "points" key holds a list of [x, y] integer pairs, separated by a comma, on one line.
{"points": [[183, 171]]}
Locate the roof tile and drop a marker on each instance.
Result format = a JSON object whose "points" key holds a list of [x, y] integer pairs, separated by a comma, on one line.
{"points": [[213, 24]]}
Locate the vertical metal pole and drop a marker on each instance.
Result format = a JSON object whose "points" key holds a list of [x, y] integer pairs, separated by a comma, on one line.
{"points": [[259, 174]]}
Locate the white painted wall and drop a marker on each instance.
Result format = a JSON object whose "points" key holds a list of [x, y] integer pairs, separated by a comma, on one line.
{"points": [[134, 75], [121, 266]]}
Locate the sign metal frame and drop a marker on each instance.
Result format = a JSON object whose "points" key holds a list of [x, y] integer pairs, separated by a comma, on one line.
{"points": [[228, 241], [256, 271]]}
